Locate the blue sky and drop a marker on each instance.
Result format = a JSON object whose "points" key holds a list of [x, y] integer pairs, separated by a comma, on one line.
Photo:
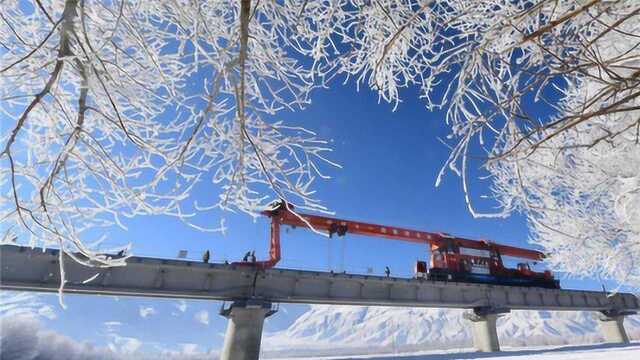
{"points": [[390, 162]]}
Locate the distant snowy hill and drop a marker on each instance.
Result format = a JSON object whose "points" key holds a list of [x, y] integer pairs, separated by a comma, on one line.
{"points": [[348, 330]]}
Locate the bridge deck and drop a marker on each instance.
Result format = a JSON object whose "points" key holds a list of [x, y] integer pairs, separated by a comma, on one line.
{"points": [[27, 269]]}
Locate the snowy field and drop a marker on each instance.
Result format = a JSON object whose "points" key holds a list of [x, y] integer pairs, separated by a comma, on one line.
{"points": [[349, 330], [581, 352]]}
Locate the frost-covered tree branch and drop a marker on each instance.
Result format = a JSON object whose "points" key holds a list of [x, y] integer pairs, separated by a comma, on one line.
{"points": [[545, 93], [118, 109]]}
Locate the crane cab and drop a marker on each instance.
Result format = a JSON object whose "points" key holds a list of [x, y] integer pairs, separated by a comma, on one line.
{"points": [[450, 258], [524, 268]]}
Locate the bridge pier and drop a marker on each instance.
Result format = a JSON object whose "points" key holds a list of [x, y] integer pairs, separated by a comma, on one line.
{"points": [[244, 329], [612, 326], [485, 333]]}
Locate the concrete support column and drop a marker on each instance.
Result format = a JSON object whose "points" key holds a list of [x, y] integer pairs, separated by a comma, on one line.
{"points": [[612, 326], [485, 333], [244, 329]]}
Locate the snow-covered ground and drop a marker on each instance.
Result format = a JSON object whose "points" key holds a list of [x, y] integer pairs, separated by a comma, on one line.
{"points": [[583, 352], [349, 330]]}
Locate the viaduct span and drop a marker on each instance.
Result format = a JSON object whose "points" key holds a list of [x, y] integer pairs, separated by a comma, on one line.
{"points": [[252, 293]]}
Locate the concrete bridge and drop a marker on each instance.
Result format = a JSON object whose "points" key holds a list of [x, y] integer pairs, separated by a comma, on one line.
{"points": [[252, 293]]}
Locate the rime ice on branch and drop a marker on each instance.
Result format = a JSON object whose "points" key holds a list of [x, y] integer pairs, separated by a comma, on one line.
{"points": [[545, 93], [115, 109]]}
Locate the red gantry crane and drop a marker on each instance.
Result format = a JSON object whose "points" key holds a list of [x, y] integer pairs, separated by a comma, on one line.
{"points": [[452, 258]]}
